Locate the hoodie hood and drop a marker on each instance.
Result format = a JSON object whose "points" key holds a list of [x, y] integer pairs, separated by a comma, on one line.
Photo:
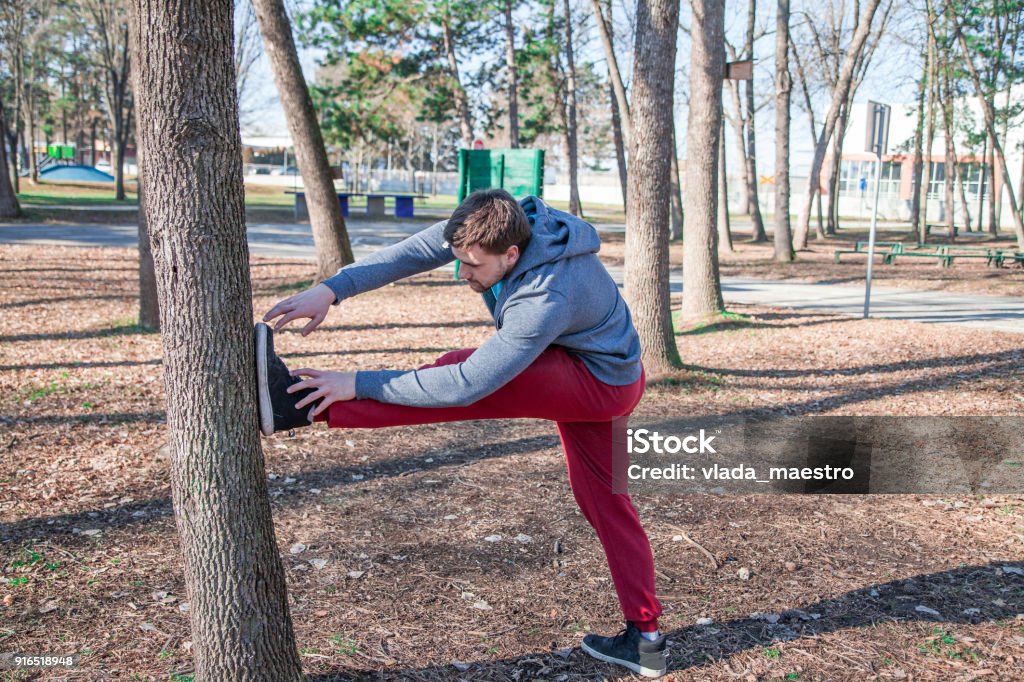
{"points": [[555, 235]]}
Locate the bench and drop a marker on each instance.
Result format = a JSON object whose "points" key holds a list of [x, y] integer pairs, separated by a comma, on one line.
{"points": [[946, 259], [862, 247], [302, 209], [403, 203], [374, 204]]}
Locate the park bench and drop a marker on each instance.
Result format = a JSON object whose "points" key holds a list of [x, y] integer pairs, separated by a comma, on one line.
{"points": [[302, 209], [862, 247], [374, 203], [403, 203], [945, 254]]}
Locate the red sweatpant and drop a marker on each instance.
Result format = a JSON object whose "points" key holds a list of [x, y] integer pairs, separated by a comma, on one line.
{"points": [[559, 387]]}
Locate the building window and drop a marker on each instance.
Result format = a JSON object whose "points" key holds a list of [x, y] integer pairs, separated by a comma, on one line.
{"points": [[857, 178], [937, 180]]}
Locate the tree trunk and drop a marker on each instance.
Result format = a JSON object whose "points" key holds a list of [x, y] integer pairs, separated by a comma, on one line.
{"points": [[617, 93], [513, 85], [188, 128], [926, 181], [30, 128], [675, 223], [724, 228], [835, 170], [570, 103], [461, 101], [838, 98], [329, 234], [620, 143], [149, 306], [646, 269], [9, 206], [739, 129], [702, 290], [614, 75], [757, 233], [918, 166], [783, 88]]}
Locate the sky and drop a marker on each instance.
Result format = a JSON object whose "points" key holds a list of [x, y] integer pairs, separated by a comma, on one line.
{"points": [[891, 80]]}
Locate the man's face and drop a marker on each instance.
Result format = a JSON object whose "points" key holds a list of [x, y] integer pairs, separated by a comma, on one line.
{"points": [[482, 269]]}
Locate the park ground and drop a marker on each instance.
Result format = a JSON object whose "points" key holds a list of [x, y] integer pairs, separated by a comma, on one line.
{"points": [[455, 552], [384, 533]]}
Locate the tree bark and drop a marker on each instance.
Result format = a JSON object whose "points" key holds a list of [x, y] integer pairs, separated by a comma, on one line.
{"points": [[513, 85], [9, 206], [757, 233], [838, 98], [724, 228], [570, 103], [330, 237], [783, 88], [188, 129], [702, 290], [646, 268]]}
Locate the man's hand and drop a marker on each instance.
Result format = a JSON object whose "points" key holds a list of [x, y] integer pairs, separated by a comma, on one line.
{"points": [[330, 387], [311, 304]]}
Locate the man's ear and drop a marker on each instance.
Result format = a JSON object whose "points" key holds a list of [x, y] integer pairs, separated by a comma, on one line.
{"points": [[512, 254]]}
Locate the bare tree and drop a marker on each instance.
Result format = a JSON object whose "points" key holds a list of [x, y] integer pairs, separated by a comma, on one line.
{"points": [[248, 49], [109, 20], [458, 91], [619, 101], [9, 206], [805, 88], [783, 87], [329, 234], [702, 290], [757, 223], [724, 229], [646, 269], [234, 578], [839, 98], [572, 151]]}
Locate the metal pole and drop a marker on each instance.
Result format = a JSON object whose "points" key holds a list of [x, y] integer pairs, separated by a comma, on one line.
{"points": [[871, 236]]}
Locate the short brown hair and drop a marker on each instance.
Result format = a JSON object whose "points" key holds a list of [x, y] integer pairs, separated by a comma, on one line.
{"points": [[491, 218]]}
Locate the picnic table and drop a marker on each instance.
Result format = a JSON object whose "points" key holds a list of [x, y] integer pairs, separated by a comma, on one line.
{"points": [[375, 205], [944, 254], [885, 249]]}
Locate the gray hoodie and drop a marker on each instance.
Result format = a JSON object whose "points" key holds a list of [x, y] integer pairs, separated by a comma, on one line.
{"points": [[557, 293]]}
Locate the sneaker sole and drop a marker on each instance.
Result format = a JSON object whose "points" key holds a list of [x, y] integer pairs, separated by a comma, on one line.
{"points": [[635, 667], [266, 408]]}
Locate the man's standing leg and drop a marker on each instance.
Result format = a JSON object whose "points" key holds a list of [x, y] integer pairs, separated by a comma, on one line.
{"points": [[588, 454]]}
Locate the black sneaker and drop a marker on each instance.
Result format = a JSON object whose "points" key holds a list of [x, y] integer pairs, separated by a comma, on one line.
{"points": [[631, 649], [276, 406]]}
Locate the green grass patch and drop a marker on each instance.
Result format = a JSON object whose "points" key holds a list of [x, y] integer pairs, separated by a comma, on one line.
{"points": [[726, 321]]}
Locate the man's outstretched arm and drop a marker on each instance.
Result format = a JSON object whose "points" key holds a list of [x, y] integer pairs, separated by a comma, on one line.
{"points": [[421, 252]]}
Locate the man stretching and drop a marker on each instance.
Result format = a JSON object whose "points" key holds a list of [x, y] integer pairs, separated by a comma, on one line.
{"points": [[564, 349]]}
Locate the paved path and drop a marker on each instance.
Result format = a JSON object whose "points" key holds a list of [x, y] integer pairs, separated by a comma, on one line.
{"points": [[1005, 313]]}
